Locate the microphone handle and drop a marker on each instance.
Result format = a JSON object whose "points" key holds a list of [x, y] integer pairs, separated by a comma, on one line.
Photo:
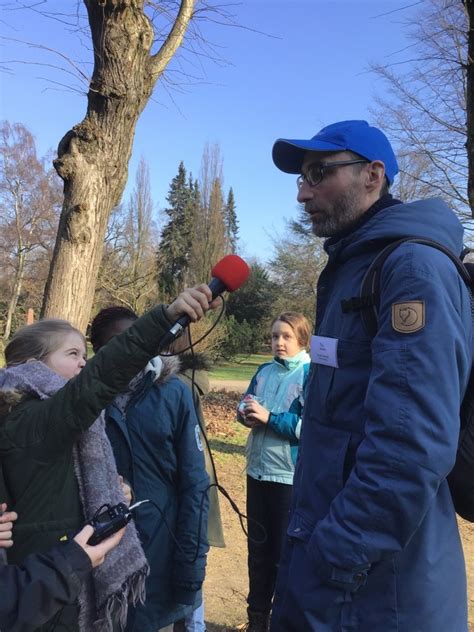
{"points": [[217, 287]]}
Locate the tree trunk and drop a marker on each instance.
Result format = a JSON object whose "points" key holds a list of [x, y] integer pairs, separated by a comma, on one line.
{"points": [[469, 4], [93, 157], [16, 290]]}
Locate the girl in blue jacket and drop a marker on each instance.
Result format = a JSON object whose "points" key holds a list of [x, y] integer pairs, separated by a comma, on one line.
{"points": [[272, 408]]}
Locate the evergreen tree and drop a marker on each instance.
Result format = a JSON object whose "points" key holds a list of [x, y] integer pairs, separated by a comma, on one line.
{"points": [[249, 313], [297, 261], [255, 300], [174, 248], [231, 223]]}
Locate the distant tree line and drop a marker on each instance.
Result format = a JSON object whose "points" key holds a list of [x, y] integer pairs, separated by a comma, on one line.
{"points": [[428, 113]]}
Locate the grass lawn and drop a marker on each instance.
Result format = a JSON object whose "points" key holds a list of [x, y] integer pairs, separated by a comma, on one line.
{"points": [[228, 447], [243, 368]]}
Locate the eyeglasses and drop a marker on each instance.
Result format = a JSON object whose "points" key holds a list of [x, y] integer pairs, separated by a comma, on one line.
{"points": [[315, 172]]}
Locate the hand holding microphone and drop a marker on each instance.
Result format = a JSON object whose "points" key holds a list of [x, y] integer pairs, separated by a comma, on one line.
{"points": [[192, 302], [227, 275]]}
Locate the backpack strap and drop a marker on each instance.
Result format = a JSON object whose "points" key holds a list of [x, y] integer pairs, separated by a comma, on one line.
{"points": [[370, 287]]}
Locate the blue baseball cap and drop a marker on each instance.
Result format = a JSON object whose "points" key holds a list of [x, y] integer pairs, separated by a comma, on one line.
{"points": [[356, 136]]}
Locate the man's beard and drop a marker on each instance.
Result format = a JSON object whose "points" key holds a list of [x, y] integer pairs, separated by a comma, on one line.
{"points": [[345, 212]]}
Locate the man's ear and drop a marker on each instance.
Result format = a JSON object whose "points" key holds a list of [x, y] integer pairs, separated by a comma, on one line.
{"points": [[375, 175]]}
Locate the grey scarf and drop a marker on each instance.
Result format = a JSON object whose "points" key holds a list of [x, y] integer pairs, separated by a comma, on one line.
{"points": [[120, 579]]}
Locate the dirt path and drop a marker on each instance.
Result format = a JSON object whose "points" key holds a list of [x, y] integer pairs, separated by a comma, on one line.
{"points": [[467, 534], [225, 588], [237, 386]]}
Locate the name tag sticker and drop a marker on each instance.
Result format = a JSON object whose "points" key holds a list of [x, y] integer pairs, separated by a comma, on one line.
{"points": [[324, 350]]}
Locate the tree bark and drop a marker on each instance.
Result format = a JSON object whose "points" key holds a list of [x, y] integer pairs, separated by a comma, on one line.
{"points": [[469, 4], [93, 156], [17, 285]]}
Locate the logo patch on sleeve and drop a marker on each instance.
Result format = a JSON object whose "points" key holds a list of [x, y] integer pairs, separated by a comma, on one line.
{"points": [[197, 434], [408, 317]]}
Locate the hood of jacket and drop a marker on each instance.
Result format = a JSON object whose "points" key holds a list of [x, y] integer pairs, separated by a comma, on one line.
{"points": [[158, 371], [162, 367], [427, 219]]}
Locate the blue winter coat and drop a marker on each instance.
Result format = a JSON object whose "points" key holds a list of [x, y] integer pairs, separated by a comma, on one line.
{"points": [[158, 449], [373, 544]]}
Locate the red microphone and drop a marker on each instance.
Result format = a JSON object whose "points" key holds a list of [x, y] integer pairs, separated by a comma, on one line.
{"points": [[228, 275]]}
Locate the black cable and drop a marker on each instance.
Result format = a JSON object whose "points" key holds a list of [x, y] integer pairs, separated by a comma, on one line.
{"points": [[234, 506], [220, 488], [205, 335], [170, 531]]}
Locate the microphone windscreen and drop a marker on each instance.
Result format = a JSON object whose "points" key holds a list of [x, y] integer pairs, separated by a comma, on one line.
{"points": [[232, 271]]}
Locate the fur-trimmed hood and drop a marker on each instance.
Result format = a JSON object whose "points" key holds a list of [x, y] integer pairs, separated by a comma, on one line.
{"points": [[195, 361], [163, 367]]}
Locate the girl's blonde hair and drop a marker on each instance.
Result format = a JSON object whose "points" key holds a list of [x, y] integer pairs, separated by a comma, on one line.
{"points": [[38, 340], [300, 325]]}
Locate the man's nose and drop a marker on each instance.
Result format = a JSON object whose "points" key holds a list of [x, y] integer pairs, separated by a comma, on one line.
{"points": [[304, 192]]}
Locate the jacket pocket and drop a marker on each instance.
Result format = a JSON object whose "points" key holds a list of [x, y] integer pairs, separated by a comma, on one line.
{"points": [[321, 605], [300, 527]]}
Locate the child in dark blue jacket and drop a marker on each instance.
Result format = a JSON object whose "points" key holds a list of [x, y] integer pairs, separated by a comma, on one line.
{"points": [[157, 444]]}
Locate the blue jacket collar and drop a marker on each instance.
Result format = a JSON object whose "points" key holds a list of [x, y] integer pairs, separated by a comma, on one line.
{"points": [[429, 219]]}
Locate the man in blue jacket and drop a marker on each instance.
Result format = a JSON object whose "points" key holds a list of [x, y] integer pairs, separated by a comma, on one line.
{"points": [[373, 544]]}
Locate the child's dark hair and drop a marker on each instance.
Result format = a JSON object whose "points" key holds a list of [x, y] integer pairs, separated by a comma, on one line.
{"points": [[104, 319], [300, 325]]}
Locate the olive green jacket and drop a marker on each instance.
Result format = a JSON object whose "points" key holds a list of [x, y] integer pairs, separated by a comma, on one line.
{"points": [[194, 373]]}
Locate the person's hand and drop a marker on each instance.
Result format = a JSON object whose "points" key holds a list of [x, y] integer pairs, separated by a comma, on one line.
{"points": [[6, 525], [244, 422], [127, 490], [193, 302], [255, 414], [98, 552]]}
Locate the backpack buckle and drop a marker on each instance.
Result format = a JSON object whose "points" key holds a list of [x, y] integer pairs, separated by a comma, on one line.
{"points": [[357, 303]]}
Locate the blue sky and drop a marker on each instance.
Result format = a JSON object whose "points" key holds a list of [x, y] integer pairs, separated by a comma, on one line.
{"points": [[310, 70]]}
